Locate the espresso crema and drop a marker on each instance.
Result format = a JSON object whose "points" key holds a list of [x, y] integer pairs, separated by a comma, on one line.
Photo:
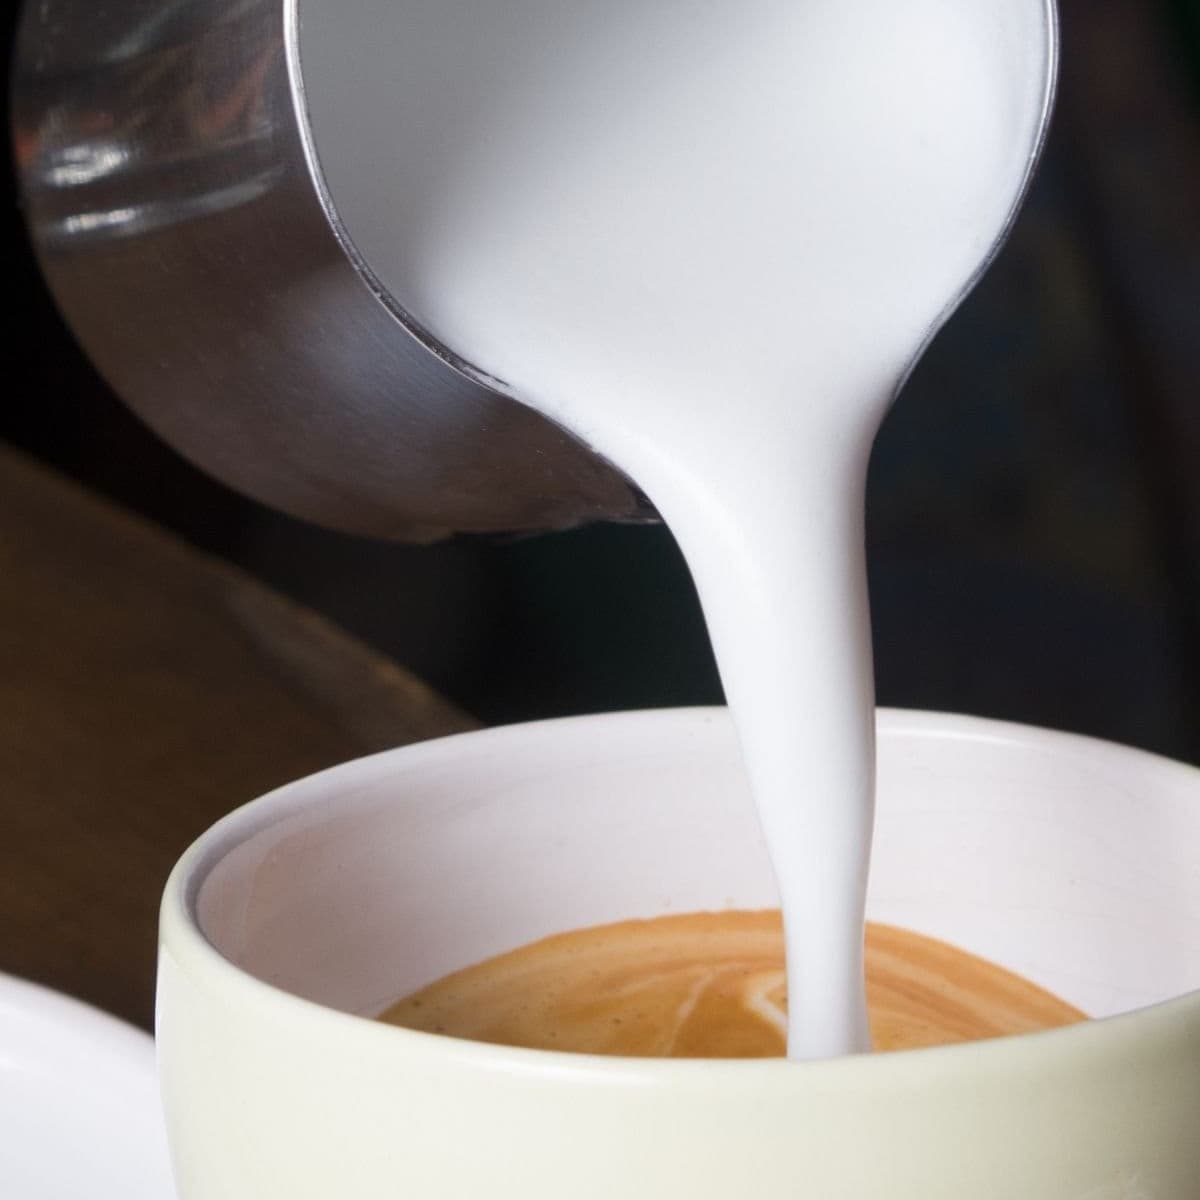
{"points": [[712, 985]]}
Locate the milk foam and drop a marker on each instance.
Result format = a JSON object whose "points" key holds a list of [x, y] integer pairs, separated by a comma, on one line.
{"points": [[711, 240]]}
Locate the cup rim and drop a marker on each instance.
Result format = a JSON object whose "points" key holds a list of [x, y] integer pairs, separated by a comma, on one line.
{"points": [[182, 939]]}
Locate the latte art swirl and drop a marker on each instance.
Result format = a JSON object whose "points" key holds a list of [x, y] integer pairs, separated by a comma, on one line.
{"points": [[712, 985]]}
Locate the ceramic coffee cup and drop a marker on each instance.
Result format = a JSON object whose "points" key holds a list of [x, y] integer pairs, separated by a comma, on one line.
{"points": [[1069, 861]]}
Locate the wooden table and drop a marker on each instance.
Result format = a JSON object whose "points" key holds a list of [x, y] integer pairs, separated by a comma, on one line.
{"points": [[145, 690]]}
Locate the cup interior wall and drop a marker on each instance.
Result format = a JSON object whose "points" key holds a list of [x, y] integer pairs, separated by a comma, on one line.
{"points": [[1069, 861]]}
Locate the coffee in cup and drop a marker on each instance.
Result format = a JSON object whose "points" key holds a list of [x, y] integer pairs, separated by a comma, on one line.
{"points": [[290, 926], [713, 985]]}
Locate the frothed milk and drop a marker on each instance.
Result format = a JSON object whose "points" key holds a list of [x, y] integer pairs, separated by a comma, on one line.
{"points": [[711, 240]]}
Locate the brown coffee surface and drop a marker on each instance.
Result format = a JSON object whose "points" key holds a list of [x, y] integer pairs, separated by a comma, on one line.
{"points": [[711, 985]]}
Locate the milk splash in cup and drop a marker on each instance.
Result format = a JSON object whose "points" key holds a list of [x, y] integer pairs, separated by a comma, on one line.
{"points": [[711, 240]]}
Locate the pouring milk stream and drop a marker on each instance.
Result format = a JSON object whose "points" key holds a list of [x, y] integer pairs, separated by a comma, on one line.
{"points": [[711, 240]]}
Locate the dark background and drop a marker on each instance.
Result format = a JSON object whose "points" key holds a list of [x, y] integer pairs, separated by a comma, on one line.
{"points": [[1034, 507]]}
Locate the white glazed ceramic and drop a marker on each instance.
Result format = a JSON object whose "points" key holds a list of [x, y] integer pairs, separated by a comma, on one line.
{"points": [[79, 1108], [1070, 861]]}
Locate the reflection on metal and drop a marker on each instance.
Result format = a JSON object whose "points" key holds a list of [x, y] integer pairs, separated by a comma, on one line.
{"points": [[143, 218], [85, 163], [116, 218], [182, 230]]}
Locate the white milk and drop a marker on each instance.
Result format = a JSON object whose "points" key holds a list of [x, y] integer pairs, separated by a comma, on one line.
{"points": [[710, 239]]}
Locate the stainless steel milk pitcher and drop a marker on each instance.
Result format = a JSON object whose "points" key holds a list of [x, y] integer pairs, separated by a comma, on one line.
{"points": [[174, 194]]}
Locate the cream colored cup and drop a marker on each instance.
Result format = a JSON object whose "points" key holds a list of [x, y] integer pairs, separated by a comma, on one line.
{"points": [[1074, 862]]}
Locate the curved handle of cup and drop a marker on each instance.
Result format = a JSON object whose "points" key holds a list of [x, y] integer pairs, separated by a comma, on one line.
{"points": [[181, 225]]}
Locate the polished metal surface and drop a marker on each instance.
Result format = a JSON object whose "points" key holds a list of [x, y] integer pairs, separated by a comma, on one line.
{"points": [[175, 213]]}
